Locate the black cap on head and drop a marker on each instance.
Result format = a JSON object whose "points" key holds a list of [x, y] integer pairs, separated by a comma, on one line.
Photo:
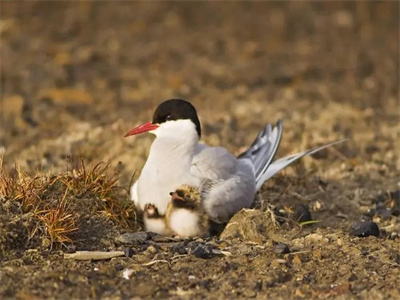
{"points": [[176, 109]]}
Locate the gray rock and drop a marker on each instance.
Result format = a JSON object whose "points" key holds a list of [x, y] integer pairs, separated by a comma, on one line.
{"points": [[132, 238], [281, 248], [364, 229], [203, 251]]}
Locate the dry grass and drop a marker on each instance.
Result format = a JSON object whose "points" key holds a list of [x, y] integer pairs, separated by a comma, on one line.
{"points": [[58, 203]]}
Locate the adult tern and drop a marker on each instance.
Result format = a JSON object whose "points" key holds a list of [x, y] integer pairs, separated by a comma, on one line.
{"points": [[176, 158]]}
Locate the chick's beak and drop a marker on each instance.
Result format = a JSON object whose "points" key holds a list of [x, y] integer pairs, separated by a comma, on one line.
{"points": [[142, 128], [175, 196]]}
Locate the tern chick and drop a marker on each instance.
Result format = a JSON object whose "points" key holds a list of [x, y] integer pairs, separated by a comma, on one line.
{"points": [[185, 214], [154, 221]]}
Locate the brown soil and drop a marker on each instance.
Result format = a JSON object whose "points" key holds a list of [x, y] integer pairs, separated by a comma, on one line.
{"points": [[76, 76]]}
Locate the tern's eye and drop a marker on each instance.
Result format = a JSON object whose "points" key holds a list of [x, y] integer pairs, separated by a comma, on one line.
{"points": [[168, 117]]}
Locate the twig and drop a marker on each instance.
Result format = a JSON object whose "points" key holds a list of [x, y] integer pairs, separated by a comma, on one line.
{"points": [[219, 252], [156, 261], [179, 256], [93, 255]]}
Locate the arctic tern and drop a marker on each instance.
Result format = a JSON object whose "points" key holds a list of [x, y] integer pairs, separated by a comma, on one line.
{"points": [[176, 158]]}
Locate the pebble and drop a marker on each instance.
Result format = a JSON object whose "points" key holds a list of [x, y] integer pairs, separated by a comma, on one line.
{"points": [[364, 229], [203, 251], [191, 245], [127, 273], [206, 284], [281, 248], [155, 237], [384, 213], [370, 213], [179, 248], [151, 249], [259, 284], [132, 238], [379, 198], [395, 195], [396, 258], [301, 213], [119, 267], [129, 252]]}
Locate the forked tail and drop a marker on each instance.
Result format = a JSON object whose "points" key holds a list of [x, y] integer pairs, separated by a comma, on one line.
{"points": [[263, 150]]}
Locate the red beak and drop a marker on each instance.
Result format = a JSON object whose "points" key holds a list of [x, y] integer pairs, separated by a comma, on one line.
{"points": [[142, 128]]}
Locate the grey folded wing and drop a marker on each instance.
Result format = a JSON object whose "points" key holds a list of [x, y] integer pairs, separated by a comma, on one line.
{"points": [[213, 163]]}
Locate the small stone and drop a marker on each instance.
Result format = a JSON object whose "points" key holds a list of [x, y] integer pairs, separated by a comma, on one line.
{"points": [[395, 257], [119, 267], [142, 248], [151, 249], [364, 229], [281, 248], [132, 238], [296, 260], [393, 235], [127, 273], [365, 218], [396, 204], [129, 252], [301, 213], [384, 213], [179, 248], [203, 251], [352, 277], [259, 285], [379, 198], [370, 213], [206, 284], [191, 245], [155, 237]]}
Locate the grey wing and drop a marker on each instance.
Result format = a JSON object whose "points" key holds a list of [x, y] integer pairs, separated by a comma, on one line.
{"points": [[228, 184], [224, 198], [282, 163], [213, 163]]}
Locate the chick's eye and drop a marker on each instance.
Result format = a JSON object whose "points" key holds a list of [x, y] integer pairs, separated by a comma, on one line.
{"points": [[169, 117]]}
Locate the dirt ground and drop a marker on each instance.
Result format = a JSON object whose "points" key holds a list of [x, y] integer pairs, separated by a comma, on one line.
{"points": [[75, 77]]}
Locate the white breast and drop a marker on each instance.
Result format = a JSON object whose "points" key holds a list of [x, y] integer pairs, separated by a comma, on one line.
{"points": [[167, 168], [184, 222], [156, 225]]}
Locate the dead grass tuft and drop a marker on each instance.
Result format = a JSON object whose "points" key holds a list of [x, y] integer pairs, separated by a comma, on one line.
{"points": [[59, 205]]}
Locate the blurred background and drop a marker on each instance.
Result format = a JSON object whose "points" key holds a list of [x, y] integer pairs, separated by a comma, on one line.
{"points": [[75, 77]]}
